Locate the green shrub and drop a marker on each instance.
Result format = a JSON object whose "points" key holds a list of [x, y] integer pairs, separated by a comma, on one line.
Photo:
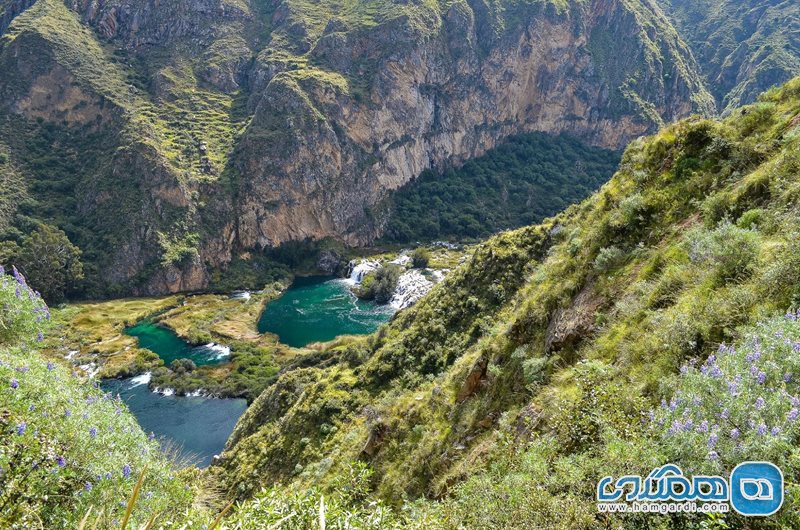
{"points": [[608, 259], [420, 258], [380, 284], [728, 251]]}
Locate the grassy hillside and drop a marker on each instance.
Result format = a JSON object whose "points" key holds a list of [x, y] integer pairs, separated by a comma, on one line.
{"points": [[534, 366]]}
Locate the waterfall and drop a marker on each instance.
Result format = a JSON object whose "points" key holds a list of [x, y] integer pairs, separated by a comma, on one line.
{"points": [[358, 271], [411, 286]]}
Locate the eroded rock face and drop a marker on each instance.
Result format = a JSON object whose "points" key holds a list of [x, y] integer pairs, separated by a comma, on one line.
{"points": [[337, 113], [437, 100]]}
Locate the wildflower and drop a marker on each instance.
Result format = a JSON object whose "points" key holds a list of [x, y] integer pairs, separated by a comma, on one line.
{"points": [[21, 428], [108, 475], [712, 440], [761, 377], [93, 432], [61, 461], [14, 384], [762, 430], [40, 337], [795, 401], [688, 425], [31, 408], [713, 455], [126, 471], [50, 367], [724, 414], [67, 413], [776, 431], [760, 403], [733, 388], [18, 276], [88, 486], [735, 433], [787, 377], [703, 427], [792, 414]]}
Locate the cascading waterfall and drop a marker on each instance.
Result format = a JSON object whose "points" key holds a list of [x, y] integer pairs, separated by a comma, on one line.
{"points": [[360, 270], [411, 286]]}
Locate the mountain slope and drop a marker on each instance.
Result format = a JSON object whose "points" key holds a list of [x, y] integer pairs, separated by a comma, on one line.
{"points": [[207, 129], [544, 352], [743, 47]]}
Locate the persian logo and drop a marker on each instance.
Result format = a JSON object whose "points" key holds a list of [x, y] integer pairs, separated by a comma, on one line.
{"points": [[756, 488]]}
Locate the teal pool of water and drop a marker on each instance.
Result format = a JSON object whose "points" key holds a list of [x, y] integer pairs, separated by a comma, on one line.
{"points": [[170, 346], [197, 426], [320, 308]]}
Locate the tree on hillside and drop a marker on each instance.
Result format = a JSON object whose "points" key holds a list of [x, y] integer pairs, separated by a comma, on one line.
{"points": [[50, 262]]}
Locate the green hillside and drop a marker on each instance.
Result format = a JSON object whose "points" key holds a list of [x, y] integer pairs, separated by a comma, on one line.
{"points": [[532, 368]]}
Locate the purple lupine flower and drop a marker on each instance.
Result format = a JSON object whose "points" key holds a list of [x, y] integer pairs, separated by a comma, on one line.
{"points": [[87, 486], [712, 440], [735, 433], [50, 367], [760, 403], [93, 432], [762, 430], [688, 425], [31, 408], [716, 372], [152, 436], [67, 413], [776, 431], [14, 384], [61, 461], [17, 275], [21, 428], [733, 388], [795, 401], [126, 470], [685, 369], [787, 377], [40, 337], [724, 414], [713, 455], [792, 414], [703, 427], [761, 377]]}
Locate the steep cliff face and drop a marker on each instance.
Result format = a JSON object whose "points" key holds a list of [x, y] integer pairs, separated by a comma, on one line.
{"points": [[743, 47], [230, 126], [442, 94]]}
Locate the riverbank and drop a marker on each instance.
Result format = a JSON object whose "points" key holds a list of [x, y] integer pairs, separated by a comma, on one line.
{"points": [[92, 336]]}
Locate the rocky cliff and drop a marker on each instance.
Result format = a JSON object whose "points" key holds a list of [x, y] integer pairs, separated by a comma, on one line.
{"points": [[191, 132]]}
